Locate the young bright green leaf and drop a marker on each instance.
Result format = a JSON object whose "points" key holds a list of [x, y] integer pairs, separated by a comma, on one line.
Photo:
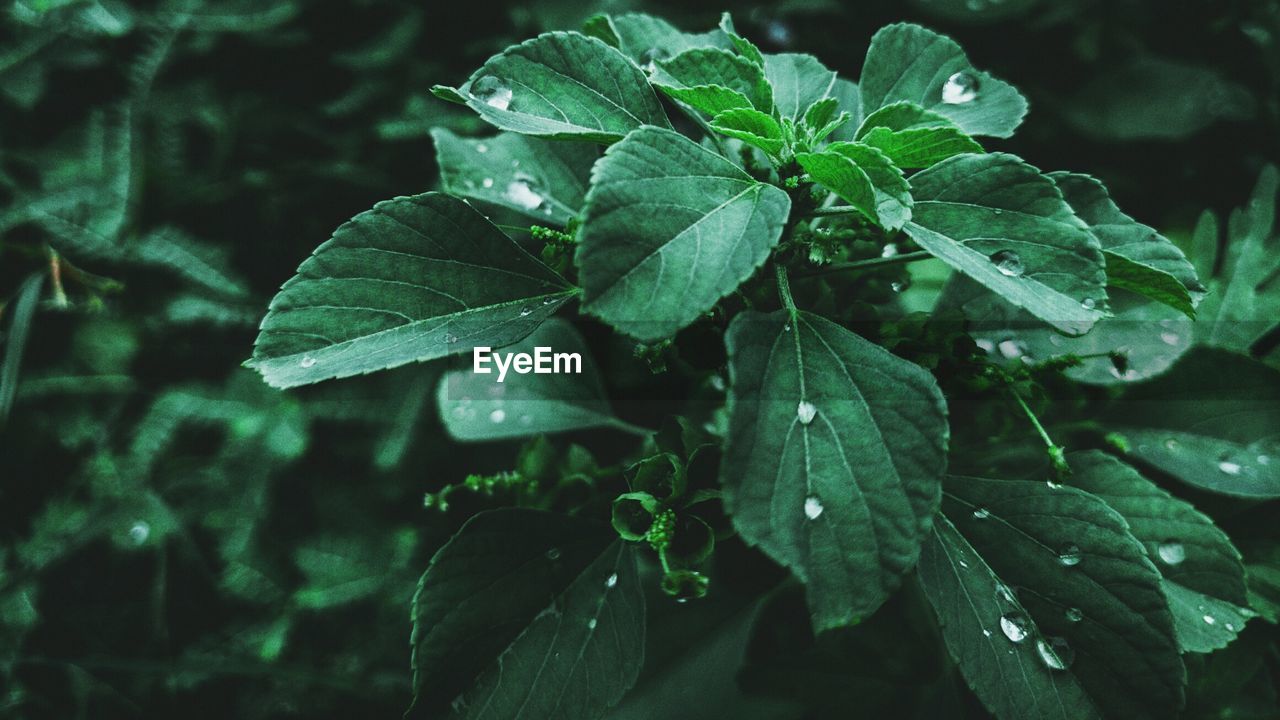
{"points": [[798, 81], [849, 97], [1202, 570], [865, 178], [913, 137], [475, 406], [646, 39], [821, 470], [1243, 304], [544, 179], [525, 614], [1138, 258], [1011, 679], [1212, 422], [751, 127], [1002, 223], [415, 278], [713, 80], [564, 85], [745, 47], [908, 62], [1076, 594], [670, 228]]}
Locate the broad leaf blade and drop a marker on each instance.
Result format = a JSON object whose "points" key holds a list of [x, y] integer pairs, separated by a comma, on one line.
{"points": [[646, 39], [969, 598], [1002, 223], [15, 341], [1202, 570], [475, 406], [669, 228], [1067, 555], [751, 127], [525, 614], [913, 137], [798, 81], [1138, 258], [564, 85], [713, 80], [865, 178], [415, 278], [543, 179], [821, 468], [908, 62]]}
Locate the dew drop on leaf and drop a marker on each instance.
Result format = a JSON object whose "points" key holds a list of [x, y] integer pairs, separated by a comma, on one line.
{"points": [[487, 182], [889, 251], [1169, 338], [1088, 303], [1171, 552], [497, 416], [492, 91], [591, 624], [1014, 626], [553, 554], [961, 87], [985, 345], [986, 632], [612, 581], [140, 531], [1229, 467], [1011, 349], [899, 286], [1055, 653], [525, 311], [307, 362], [981, 514], [806, 411], [1209, 620], [812, 507], [1171, 444], [1074, 615], [449, 338], [1069, 555], [482, 148], [520, 191], [1008, 263]]}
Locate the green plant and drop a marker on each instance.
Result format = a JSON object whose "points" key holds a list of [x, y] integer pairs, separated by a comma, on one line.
{"points": [[782, 208]]}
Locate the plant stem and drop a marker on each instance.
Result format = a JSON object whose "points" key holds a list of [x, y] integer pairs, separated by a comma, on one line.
{"points": [[1035, 421], [839, 210], [784, 289], [869, 263]]}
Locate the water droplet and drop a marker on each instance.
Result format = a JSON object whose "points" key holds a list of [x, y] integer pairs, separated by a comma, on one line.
{"points": [[1069, 555], [963, 564], [1074, 615], [1171, 444], [612, 581], [1008, 263], [1055, 653], [981, 514], [591, 624], [986, 632], [1012, 349], [1088, 303], [140, 531], [520, 191], [1055, 340], [553, 554], [786, 328], [307, 362], [1169, 338], [812, 507], [1208, 620], [889, 251], [487, 182], [1228, 467], [497, 416], [961, 87], [1264, 459], [985, 345], [1014, 626], [1230, 627], [492, 91], [899, 286], [526, 311], [482, 148], [450, 338], [806, 411], [1171, 552]]}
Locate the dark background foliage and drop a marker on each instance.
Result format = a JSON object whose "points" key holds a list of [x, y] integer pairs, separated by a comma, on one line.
{"points": [[178, 540]]}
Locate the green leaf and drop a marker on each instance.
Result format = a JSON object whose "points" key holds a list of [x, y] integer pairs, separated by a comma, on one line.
{"points": [[865, 178], [888, 201], [1138, 258], [564, 85], [646, 39], [798, 81], [744, 46], [713, 80], [1202, 570], [543, 179], [822, 118], [1243, 304], [913, 137], [669, 228], [1011, 679], [1212, 422], [476, 406], [849, 97], [15, 341], [833, 458], [751, 127], [1002, 223], [526, 614], [415, 278], [1067, 576], [908, 62]]}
